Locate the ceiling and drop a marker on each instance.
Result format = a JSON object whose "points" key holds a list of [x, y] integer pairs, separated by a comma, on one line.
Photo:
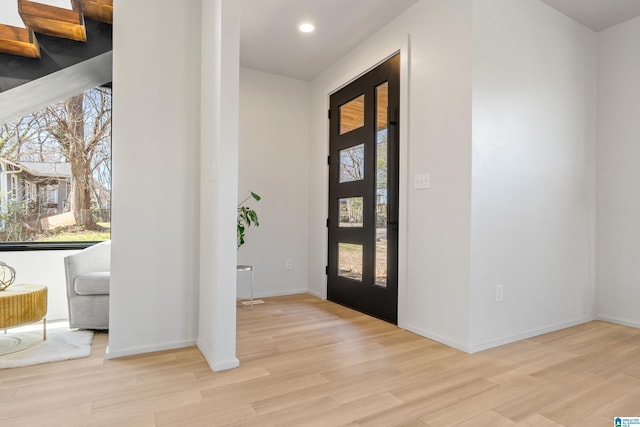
{"points": [[598, 14], [270, 40]]}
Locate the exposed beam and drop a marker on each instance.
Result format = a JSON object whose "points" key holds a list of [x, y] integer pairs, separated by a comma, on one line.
{"points": [[18, 41], [53, 21], [98, 10], [54, 87], [55, 54]]}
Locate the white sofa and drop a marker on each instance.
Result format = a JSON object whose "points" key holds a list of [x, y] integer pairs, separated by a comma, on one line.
{"points": [[87, 274]]}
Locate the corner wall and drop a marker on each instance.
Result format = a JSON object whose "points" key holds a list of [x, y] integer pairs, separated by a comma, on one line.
{"points": [[618, 198], [156, 137], [533, 221], [273, 159]]}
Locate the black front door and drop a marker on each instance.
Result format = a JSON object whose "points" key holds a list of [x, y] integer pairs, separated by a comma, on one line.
{"points": [[363, 193]]}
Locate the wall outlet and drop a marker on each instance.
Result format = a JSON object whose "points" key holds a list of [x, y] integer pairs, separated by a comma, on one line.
{"points": [[499, 293], [422, 181], [288, 264]]}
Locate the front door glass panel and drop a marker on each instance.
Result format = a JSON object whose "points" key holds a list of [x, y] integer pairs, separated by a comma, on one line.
{"points": [[351, 211], [352, 164], [382, 150], [352, 115], [350, 261]]}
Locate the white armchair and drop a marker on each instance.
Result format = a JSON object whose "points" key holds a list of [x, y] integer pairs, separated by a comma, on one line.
{"points": [[87, 274]]}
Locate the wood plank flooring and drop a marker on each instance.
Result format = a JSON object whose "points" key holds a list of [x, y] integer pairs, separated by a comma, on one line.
{"points": [[308, 362]]}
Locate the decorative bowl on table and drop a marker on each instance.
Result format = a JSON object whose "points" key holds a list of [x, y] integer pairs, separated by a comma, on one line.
{"points": [[7, 275]]}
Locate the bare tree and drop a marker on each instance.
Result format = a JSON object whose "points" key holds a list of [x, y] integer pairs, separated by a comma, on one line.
{"points": [[76, 130], [80, 136], [13, 135]]}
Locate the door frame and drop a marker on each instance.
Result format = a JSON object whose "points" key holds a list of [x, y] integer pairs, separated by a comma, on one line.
{"points": [[403, 178]]}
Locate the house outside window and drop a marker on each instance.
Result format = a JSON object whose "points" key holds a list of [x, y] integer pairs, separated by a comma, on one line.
{"points": [[55, 173]]}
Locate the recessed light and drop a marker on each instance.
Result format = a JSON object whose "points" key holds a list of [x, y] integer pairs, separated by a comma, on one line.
{"points": [[306, 27]]}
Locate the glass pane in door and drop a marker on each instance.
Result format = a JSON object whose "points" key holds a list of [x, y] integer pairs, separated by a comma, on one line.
{"points": [[350, 261], [382, 114], [352, 115], [351, 212], [352, 164]]}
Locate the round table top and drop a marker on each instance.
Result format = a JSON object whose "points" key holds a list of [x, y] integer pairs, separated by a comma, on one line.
{"points": [[19, 289]]}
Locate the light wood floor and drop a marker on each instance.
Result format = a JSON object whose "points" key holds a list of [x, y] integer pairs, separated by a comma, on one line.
{"points": [[307, 362]]}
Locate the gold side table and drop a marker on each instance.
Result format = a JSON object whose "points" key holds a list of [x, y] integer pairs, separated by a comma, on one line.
{"points": [[22, 304]]}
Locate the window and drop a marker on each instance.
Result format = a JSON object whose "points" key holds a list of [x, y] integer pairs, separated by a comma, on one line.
{"points": [[14, 188], [31, 194], [55, 174]]}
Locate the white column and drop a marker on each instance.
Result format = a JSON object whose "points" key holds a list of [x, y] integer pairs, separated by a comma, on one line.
{"points": [[220, 58]]}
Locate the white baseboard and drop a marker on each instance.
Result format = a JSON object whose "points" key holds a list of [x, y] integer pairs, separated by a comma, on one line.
{"points": [[502, 341], [619, 321], [213, 364], [274, 294], [315, 294], [528, 334], [147, 349], [438, 338]]}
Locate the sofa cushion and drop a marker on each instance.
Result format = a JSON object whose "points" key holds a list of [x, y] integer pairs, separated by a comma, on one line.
{"points": [[95, 283]]}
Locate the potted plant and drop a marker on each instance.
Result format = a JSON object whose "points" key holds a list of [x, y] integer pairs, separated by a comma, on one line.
{"points": [[246, 217]]}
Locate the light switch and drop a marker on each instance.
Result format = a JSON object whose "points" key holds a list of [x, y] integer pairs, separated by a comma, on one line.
{"points": [[422, 181]]}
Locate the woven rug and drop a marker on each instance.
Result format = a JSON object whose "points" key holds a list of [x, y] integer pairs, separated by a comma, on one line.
{"points": [[27, 348]]}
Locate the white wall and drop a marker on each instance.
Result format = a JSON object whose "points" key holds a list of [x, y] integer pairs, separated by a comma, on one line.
{"points": [[155, 210], [618, 198], [436, 292], [533, 171], [43, 268], [274, 131]]}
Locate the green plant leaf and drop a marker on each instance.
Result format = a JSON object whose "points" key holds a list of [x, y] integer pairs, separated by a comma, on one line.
{"points": [[253, 216], [246, 217]]}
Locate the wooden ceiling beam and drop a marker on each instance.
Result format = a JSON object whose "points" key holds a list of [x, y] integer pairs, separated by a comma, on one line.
{"points": [[98, 10], [18, 41], [54, 21]]}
